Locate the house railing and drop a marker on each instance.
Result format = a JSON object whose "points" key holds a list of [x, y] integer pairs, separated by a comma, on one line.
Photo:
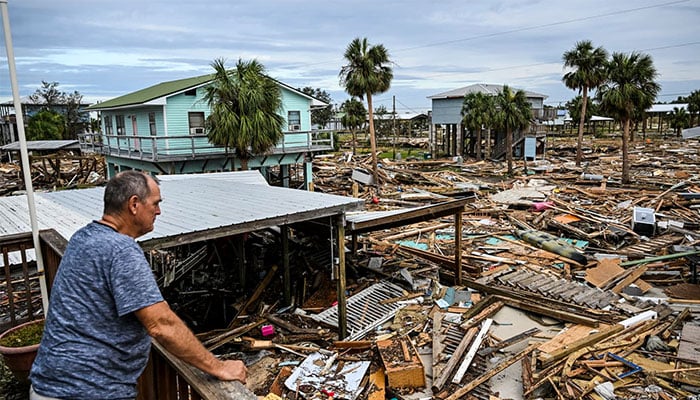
{"points": [[20, 293], [165, 377], [167, 148]]}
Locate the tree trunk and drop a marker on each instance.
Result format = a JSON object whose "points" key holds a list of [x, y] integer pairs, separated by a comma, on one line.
{"points": [[373, 142], [582, 120], [478, 144], [509, 150], [354, 141], [625, 151], [244, 164], [488, 143]]}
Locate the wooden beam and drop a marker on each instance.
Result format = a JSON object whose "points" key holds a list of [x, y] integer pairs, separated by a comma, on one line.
{"points": [[284, 231], [342, 300], [472, 351], [439, 382], [458, 248], [491, 373]]}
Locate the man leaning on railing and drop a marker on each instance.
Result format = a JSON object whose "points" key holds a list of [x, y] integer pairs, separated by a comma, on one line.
{"points": [[105, 303]]}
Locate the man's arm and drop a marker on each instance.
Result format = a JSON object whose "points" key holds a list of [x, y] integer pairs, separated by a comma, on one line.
{"points": [[168, 329]]}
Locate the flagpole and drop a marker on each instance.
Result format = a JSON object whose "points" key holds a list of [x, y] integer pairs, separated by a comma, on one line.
{"points": [[24, 155]]}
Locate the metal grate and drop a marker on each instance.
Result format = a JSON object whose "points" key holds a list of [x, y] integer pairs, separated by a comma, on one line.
{"points": [[365, 310]]}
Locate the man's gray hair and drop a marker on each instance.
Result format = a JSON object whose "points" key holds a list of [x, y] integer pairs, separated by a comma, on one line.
{"points": [[121, 187]]}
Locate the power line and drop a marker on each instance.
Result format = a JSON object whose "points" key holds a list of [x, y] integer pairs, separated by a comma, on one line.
{"points": [[501, 33], [529, 28]]}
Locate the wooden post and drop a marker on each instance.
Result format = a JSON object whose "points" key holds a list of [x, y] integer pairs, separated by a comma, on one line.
{"points": [[458, 248], [342, 304], [285, 265], [239, 244]]}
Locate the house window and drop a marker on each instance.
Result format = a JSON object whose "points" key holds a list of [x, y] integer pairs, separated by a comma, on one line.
{"points": [[108, 125], [152, 123], [196, 122], [191, 92], [294, 120], [120, 124]]}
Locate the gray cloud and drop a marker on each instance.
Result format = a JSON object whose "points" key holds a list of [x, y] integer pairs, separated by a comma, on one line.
{"points": [[105, 48]]}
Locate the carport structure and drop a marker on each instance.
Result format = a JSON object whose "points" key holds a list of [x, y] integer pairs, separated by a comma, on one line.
{"points": [[374, 221], [196, 208]]}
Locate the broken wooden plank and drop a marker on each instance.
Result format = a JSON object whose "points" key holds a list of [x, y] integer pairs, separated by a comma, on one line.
{"points": [[491, 373], [472, 351], [440, 380]]}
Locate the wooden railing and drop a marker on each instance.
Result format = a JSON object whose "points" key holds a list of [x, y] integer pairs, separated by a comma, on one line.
{"points": [[20, 293], [189, 147], [165, 377]]}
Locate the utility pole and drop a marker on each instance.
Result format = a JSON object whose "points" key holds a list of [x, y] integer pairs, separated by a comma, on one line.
{"points": [[393, 127]]}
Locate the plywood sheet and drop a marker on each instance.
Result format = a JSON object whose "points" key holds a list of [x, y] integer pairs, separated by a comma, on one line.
{"points": [[605, 272], [690, 342], [570, 335]]}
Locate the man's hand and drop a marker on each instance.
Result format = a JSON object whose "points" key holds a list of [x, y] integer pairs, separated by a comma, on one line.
{"points": [[232, 370]]}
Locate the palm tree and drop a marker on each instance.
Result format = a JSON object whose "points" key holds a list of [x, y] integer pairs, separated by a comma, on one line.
{"points": [[245, 105], [477, 113], [693, 106], [679, 119], [513, 113], [630, 86], [589, 73], [353, 118], [367, 72]]}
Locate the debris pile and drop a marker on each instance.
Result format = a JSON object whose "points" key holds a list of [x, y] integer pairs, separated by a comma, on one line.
{"points": [[574, 285], [62, 170]]}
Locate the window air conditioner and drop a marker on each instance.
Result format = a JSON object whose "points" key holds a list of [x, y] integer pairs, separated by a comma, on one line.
{"points": [[294, 127], [196, 131]]}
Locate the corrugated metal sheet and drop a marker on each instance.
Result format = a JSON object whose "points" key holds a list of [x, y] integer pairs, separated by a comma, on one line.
{"points": [[250, 177], [45, 145], [197, 204]]}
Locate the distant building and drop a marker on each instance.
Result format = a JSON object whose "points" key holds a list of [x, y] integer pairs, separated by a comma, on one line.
{"points": [[449, 136], [8, 123], [161, 129]]}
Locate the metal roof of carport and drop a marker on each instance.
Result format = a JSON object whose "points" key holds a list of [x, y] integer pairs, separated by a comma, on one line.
{"points": [[373, 221], [196, 208]]}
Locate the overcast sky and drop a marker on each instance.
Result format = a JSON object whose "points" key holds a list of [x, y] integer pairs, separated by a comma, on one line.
{"points": [[105, 48]]}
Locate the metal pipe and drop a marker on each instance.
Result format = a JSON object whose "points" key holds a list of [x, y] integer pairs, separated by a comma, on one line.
{"points": [[24, 155]]}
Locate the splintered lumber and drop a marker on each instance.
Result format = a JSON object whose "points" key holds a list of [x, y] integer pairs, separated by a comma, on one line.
{"points": [[278, 383], [566, 337], [439, 381], [377, 385], [488, 311], [681, 316], [539, 304], [509, 341], [229, 335], [607, 270], [416, 231], [629, 279], [492, 372], [353, 344], [258, 291], [402, 363], [289, 326], [549, 358], [549, 311], [438, 345], [472, 351]]}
